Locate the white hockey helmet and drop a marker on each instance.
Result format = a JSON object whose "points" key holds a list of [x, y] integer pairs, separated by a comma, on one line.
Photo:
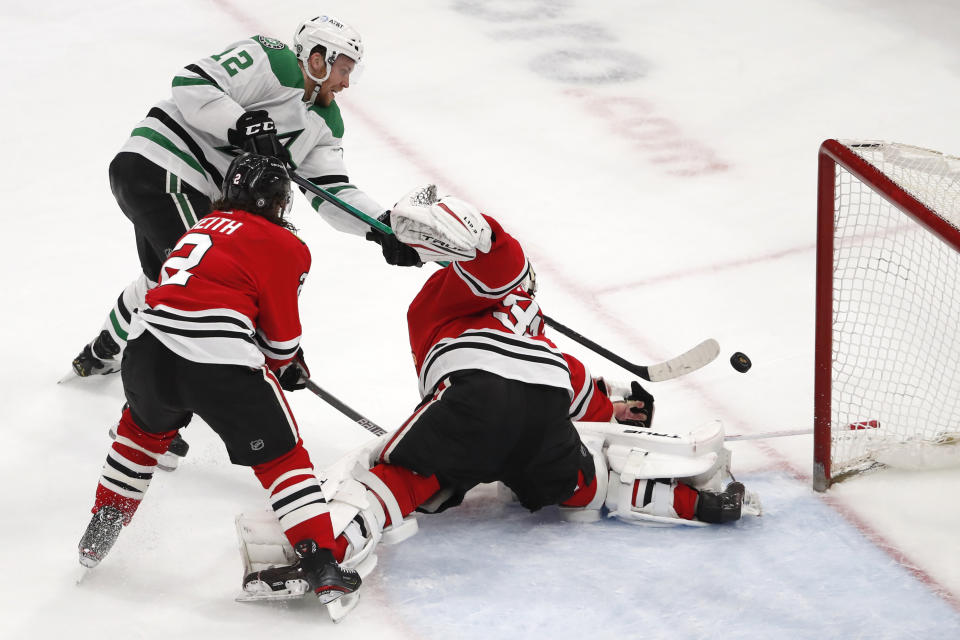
{"points": [[334, 35]]}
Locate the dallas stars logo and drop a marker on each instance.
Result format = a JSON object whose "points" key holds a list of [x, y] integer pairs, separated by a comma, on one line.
{"points": [[270, 43]]}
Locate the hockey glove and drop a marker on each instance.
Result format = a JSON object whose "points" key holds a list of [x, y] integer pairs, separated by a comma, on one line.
{"points": [[394, 251], [636, 409], [293, 375], [256, 132]]}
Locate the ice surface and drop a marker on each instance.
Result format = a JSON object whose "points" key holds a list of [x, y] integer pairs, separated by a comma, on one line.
{"points": [[658, 162]]}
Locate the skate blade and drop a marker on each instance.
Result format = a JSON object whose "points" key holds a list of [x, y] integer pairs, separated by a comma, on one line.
{"points": [[295, 589], [81, 574], [339, 608], [71, 375]]}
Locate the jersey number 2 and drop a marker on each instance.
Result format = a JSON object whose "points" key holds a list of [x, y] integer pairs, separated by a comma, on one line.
{"points": [[181, 264]]}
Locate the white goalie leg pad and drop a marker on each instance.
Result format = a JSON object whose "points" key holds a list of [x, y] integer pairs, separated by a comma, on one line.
{"points": [[592, 511], [644, 501], [359, 506], [698, 456], [440, 228], [638, 457]]}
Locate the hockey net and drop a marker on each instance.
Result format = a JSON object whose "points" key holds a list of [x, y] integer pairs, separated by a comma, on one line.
{"points": [[887, 362]]}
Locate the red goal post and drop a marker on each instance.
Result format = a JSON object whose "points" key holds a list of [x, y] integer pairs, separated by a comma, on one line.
{"points": [[887, 345]]}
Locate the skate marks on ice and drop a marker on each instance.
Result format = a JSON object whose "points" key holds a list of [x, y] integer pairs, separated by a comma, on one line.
{"points": [[492, 570]]}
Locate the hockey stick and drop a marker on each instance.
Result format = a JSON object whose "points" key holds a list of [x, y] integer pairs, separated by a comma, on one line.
{"points": [[326, 196], [767, 434], [697, 357], [327, 397]]}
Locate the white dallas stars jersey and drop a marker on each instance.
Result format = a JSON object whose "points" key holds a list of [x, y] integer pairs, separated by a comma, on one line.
{"points": [[187, 133], [475, 315]]}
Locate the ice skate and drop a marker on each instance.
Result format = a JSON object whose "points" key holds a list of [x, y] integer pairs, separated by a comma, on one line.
{"points": [[101, 533], [718, 507], [328, 579], [100, 357]]}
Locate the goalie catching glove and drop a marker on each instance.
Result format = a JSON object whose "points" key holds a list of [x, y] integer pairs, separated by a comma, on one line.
{"points": [[439, 229]]}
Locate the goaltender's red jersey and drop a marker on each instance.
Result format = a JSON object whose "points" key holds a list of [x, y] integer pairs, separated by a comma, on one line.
{"points": [[228, 292], [475, 315], [589, 403]]}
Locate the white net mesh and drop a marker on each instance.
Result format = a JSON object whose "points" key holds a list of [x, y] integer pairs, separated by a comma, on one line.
{"points": [[896, 312]]}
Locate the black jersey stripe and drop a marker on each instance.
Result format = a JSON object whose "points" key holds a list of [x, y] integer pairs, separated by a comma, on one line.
{"points": [[486, 291], [268, 346], [203, 74], [173, 125], [499, 336], [162, 313], [496, 336], [203, 333], [584, 401], [322, 180], [122, 308], [466, 344]]}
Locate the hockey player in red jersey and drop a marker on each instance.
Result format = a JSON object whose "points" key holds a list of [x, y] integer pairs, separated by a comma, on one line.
{"points": [[498, 404], [217, 338]]}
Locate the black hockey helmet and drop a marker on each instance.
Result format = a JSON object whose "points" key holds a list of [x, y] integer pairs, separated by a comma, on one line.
{"points": [[257, 184]]}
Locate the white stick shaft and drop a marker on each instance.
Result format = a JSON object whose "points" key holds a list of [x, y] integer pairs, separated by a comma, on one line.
{"points": [[768, 434]]}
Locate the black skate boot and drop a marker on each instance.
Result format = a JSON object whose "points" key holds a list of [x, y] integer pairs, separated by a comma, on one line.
{"points": [[178, 449], [718, 507], [101, 533], [100, 357], [328, 579]]}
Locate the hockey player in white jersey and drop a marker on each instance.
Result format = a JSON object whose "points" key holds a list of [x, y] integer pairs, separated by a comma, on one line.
{"points": [[257, 95]]}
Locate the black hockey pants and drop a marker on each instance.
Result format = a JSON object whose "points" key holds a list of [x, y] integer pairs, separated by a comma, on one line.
{"points": [[483, 428], [244, 406], [160, 206]]}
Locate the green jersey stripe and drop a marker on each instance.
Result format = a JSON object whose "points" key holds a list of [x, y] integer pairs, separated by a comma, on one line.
{"points": [[163, 141], [180, 81], [188, 214], [116, 326]]}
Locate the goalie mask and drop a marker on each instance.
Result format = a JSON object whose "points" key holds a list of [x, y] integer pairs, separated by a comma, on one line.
{"points": [[440, 228], [336, 37], [258, 184]]}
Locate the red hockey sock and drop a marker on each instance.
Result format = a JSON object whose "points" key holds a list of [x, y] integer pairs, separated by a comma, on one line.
{"points": [[685, 501], [130, 465], [583, 494], [408, 488], [296, 497]]}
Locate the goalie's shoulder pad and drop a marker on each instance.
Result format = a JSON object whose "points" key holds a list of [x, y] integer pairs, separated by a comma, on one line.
{"points": [[440, 228]]}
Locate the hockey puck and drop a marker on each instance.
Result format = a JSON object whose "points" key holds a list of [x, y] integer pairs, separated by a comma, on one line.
{"points": [[740, 362]]}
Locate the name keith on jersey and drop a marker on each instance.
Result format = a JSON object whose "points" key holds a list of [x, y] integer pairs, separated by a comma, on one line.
{"points": [[216, 223]]}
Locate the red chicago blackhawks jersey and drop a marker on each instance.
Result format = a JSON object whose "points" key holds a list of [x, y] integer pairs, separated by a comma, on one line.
{"points": [[589, 403], [475, 315], [228, 292]]}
